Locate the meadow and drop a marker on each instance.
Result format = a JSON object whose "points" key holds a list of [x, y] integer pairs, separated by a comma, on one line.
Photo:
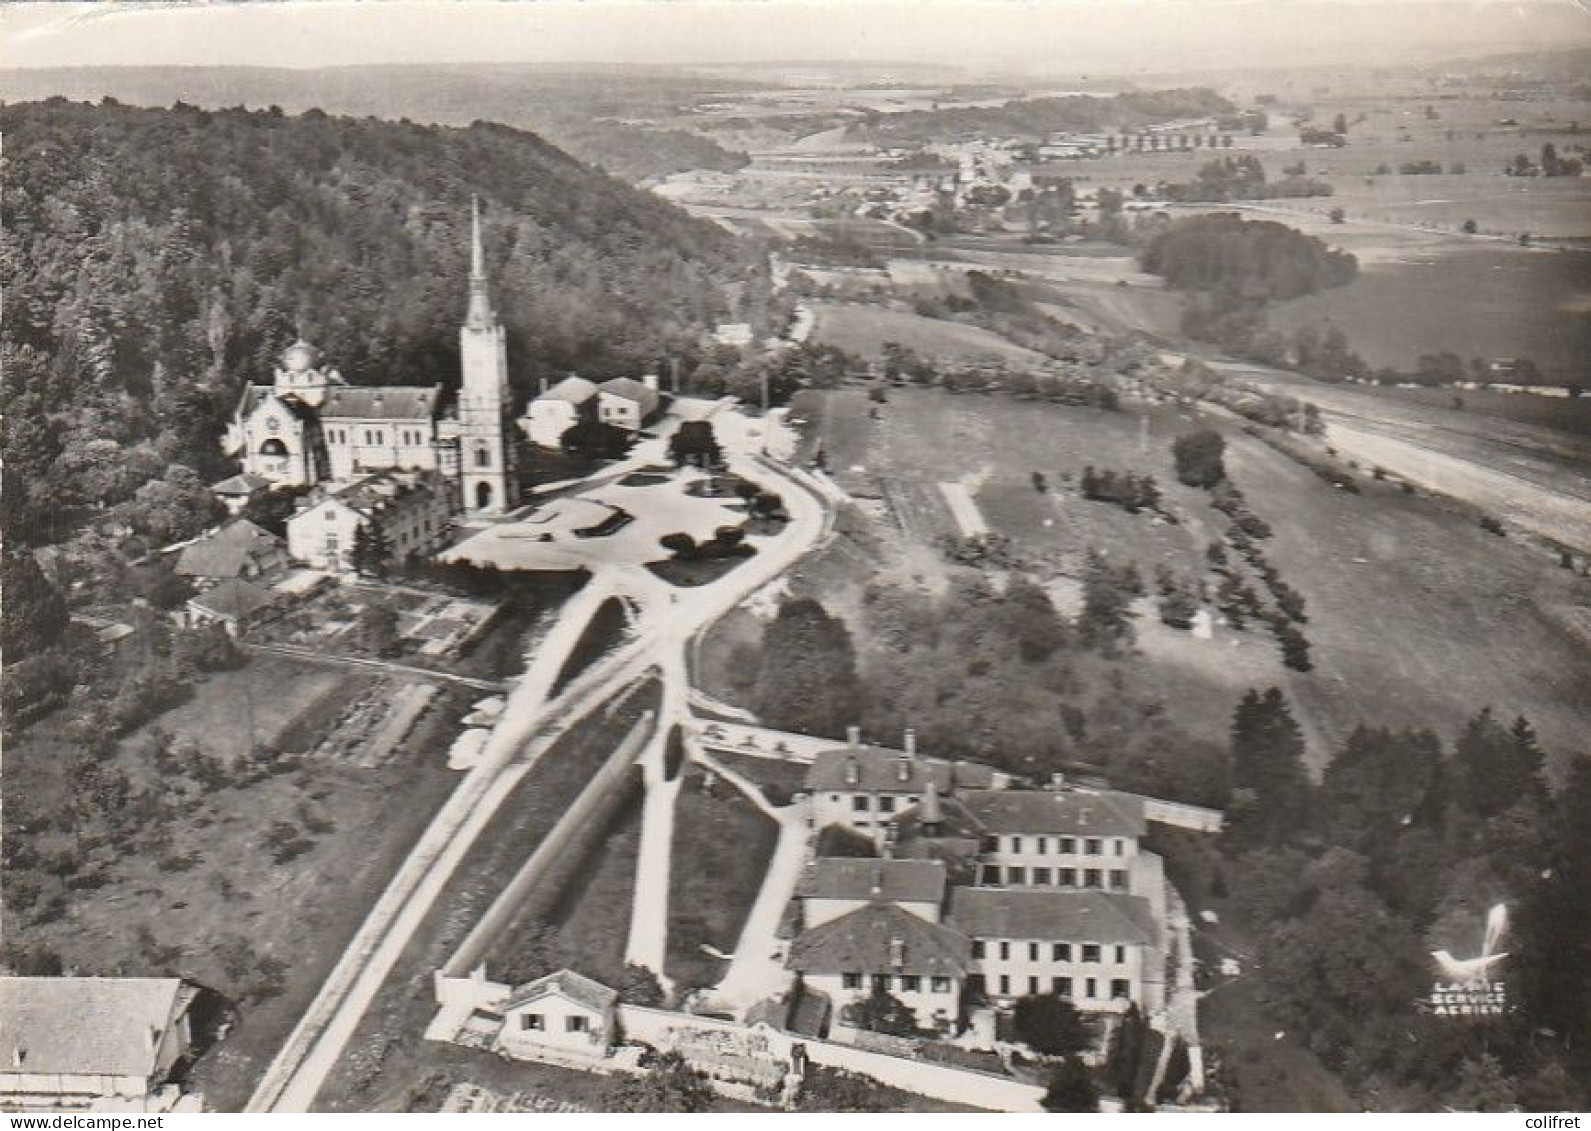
{"points": [[1417, 617], [1488, 302], [863, 330]]}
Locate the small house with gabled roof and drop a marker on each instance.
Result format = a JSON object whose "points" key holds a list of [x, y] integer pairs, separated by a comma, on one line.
{"points": [[563, 1011]]}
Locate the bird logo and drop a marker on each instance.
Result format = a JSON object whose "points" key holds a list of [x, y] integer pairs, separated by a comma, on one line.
{"points": [[1468, 971]]}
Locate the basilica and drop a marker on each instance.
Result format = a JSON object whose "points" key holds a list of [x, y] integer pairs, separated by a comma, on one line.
{"points": [[309, 427]]}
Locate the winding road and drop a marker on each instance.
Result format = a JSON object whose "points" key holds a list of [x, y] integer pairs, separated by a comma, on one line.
{"points": [[665, 625]]}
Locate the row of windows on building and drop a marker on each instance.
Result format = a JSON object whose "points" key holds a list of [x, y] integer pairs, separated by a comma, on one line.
{"points": [[906, 983], [377, 437], [538, 1022], [863, 802], [1005, 985], [1120, 988], [418, 535], [1092, 953], [996, 875], [1063, 845]]}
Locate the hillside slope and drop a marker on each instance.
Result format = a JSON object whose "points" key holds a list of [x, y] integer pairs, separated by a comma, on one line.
{"points": [[588, 112], [155, 260]]}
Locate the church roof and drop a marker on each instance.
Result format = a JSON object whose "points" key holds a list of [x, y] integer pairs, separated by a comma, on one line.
{"points": [[255, 395], [381, 402]]}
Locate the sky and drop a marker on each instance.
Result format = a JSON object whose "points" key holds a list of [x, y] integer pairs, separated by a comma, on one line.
{"points": [[1081, 36]]}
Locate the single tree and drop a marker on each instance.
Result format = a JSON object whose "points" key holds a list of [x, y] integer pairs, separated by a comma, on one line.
{"points": [[1198, 458], [1071, 1088], [1050, 1024], [1268, 759]]}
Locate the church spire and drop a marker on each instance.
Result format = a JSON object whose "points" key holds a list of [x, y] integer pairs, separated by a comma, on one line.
{"points": [[480, 310]]}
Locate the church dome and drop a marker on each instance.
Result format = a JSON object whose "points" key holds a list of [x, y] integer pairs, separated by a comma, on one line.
{"points": [[300, 356]]}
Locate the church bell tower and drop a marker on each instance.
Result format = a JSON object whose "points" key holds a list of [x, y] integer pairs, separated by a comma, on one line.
{"points": [[485, 452]]}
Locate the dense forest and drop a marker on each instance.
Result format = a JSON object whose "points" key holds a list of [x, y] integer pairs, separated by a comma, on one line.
{"points": [[156, 260], [1038, 117], [594, 114]]}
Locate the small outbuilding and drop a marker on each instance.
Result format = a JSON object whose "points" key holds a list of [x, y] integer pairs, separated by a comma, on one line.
{"points": [[565, 1011]]}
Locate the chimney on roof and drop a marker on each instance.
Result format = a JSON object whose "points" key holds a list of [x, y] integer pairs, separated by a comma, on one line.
{"points": [[649, 380], [903, 768], [932, 814], [853, 735], [897, 953], [18, 1055], [910, 743], [853, 771], [1082, 816], [1057, 781]]}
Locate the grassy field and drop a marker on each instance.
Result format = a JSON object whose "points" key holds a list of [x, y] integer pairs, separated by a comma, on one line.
{"points": [[722, 845], [1564, 414], [250, 885], [1489, 303], [1417, 616], [777, 780], [385, 1056], [863, 330], [593, 919]]}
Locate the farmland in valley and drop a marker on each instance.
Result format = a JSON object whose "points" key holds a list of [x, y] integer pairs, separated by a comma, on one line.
{"points": [[1482, 302]]}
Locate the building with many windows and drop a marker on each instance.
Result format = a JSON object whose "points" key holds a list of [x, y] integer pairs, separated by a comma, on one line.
{"points": [[411, 510], [865, 788], [1098, 950], [1006, 890]]}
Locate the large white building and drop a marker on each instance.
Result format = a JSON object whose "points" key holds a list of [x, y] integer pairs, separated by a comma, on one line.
{"points": [[864, 788], [985, 893], [309, 426]]}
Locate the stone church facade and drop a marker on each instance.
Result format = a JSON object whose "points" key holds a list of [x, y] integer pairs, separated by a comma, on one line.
{"points": [[310, 427]]}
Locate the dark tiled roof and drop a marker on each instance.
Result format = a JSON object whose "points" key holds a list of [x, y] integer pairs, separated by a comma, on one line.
{"points": [[255, 394], [567, 983], [878, 769], [233, 599], [229, 551], [865, 942], [955, 824], [894, 881], [631, 390], [86, 1026], [244, 484], [381, 402], [1040, 913], [1073, 812], [376, 492]]}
